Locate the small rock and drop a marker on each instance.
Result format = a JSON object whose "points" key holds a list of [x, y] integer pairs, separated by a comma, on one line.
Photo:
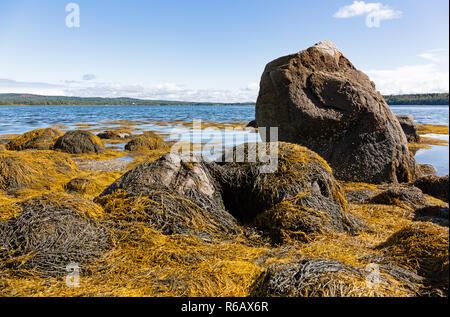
{"points": [[79, 142], [436, 186], [409, 197], [252, 124], [427, 169], [409, 127], [148, 141], [115, 135]]}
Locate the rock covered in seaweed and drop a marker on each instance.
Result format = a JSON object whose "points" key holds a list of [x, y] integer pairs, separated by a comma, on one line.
{"points": [[318, 99], [40, 139], [53, 231], [79, 142], [408, 197], [34, 169], [182, 193], [298, 198], [327, 278], [146, 142], [118, 134], [436, 186], [423, 248]]}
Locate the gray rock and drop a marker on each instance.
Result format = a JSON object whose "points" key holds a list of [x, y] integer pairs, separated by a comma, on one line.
{"points": [[409, 127]]}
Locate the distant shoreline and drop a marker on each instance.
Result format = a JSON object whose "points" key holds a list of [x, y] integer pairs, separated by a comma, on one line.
{"points": [[37, 100]]}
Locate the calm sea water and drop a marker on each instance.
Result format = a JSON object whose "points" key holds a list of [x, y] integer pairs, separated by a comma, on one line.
{"points": [[17, 119]]}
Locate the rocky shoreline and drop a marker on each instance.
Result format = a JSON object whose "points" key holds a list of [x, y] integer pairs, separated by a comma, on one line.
{"points": [[346, 212]]}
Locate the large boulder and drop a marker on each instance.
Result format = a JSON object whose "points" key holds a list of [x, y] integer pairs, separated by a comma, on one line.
{"points": [[40, 139], [318, 99], [409, 127], [79, 142]]}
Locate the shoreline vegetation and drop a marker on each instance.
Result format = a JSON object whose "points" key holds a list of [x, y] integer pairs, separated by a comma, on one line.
{"points": [[38, 100]]}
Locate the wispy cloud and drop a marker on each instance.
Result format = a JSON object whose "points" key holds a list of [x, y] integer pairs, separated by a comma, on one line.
{"points": [[436, 55], [167, 91], [411, 79], [375, 12], [12, 86], [89, 77]]}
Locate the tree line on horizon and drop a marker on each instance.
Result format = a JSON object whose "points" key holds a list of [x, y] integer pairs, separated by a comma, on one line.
{"points": [[27, 99]]}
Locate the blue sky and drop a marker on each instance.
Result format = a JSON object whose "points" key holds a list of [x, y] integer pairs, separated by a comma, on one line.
{"points": [[211, 50]]}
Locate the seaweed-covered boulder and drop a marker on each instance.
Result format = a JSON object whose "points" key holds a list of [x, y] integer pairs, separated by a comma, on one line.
{"points": [[423, 248], [309, 277], [318, 99], [40, 139], [84, 186], [115, 134], [436, 186], [434, 214], [79, 142], [298, 197], [52, 232], [148, 141], [34, 169], [181, 191], [408, 197], [427, 169], [325, 278], [409, 127]]}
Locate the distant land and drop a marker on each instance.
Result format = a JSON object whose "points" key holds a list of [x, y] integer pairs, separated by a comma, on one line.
{"points": [[417, 99], [35, 100]]}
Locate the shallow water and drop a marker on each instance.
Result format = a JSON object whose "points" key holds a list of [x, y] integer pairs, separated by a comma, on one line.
{"points": [[18, 119]]}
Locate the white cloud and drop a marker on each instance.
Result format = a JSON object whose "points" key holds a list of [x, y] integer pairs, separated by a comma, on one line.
{"points": [[411, 79], [375, 12]]}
